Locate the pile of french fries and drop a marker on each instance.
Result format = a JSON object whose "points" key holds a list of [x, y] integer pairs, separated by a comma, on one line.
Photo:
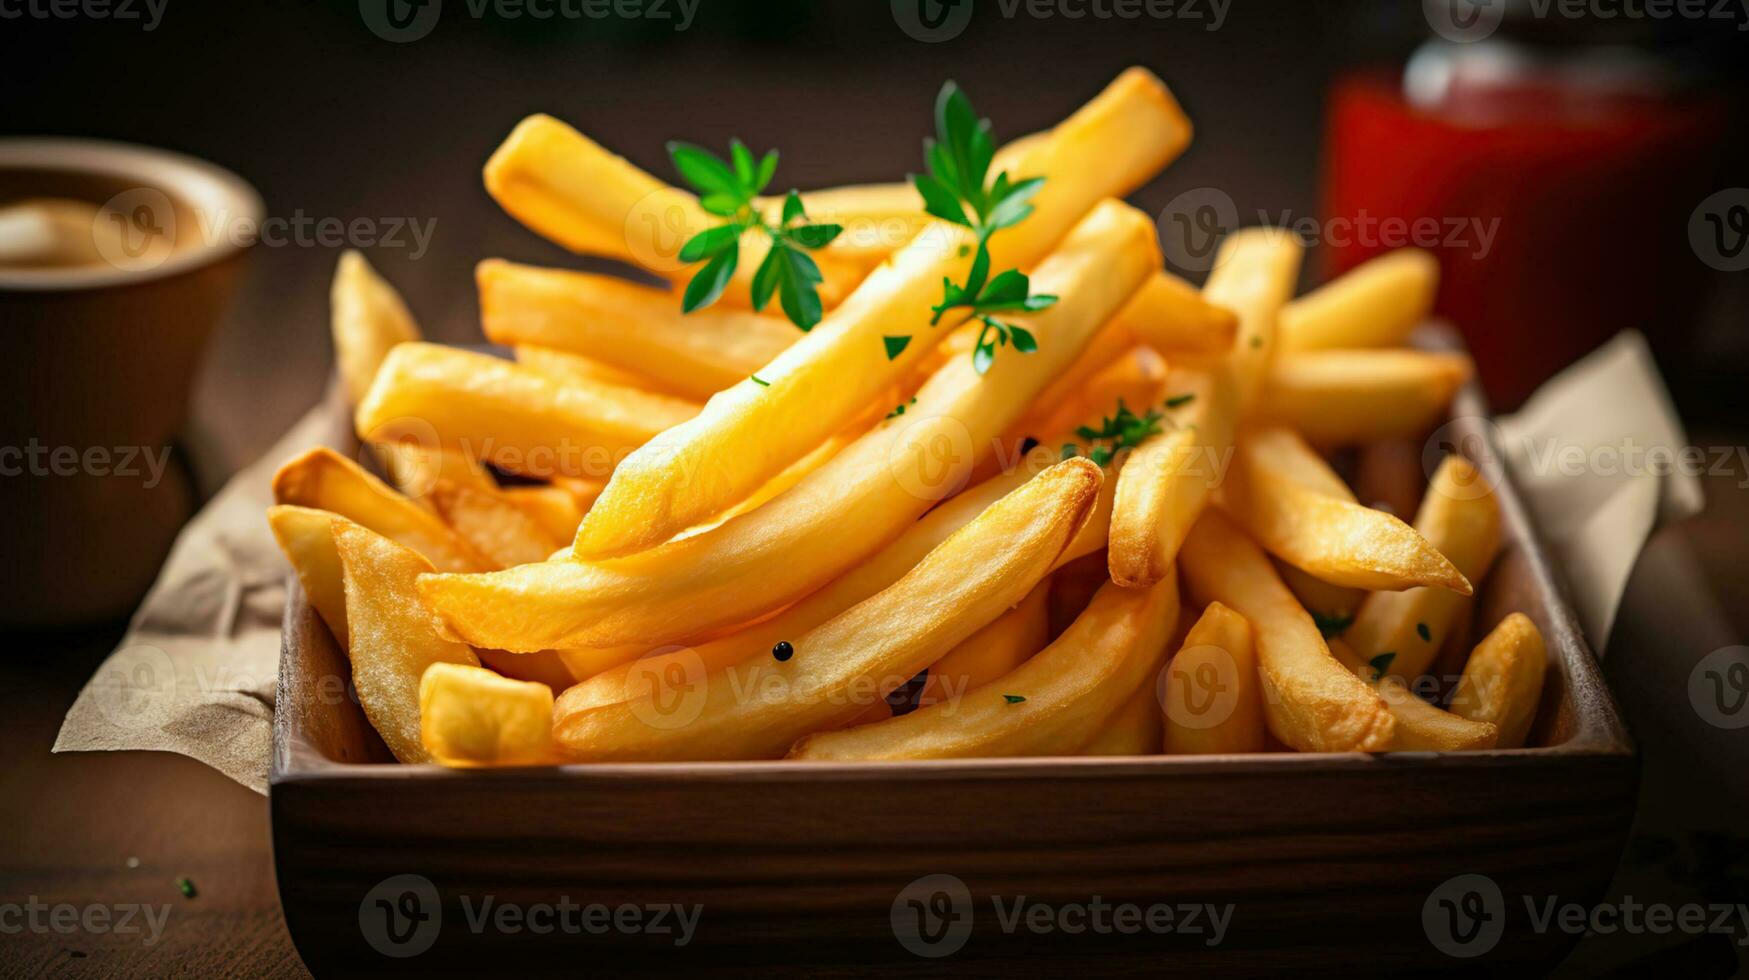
{"points": [[663, 536]]}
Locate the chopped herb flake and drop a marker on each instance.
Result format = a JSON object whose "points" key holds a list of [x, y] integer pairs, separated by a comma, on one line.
{"points": [[1332, 624], [1381, 663], [1013, 698], [1177, 400], [896, 345], [186, 887], [1256, 342], [1426, 634], [761, 382]]}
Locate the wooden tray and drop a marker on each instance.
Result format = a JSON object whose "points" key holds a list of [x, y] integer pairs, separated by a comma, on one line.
{"points": [[1330, 862]]}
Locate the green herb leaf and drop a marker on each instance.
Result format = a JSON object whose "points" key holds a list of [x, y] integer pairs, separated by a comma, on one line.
{"points": [[708, 284], [742, 158], [1024, 341], [722, 205], [983, 356], [1332, 624], [1381, 663], [814, 236], [939, 200], [767, 169], [1177, 401], [792, 207], [709, 242], [795, 287], [896, 345], [705, 171], [766, 277]]}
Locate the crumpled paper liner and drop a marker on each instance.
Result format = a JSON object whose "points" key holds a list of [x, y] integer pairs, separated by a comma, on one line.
{"points": [[195, 673]]}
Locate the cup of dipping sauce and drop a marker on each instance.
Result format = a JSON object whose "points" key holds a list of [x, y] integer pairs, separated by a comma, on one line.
{"points": [[116, 262]]}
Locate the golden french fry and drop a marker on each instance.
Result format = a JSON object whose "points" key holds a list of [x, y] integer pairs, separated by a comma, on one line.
{"points": [[842, 512], [1312, 702], [517, 419], [416, 469], [566, 187], [1108, 347], [394, 636], [614, 675], [1171, 476], [583, 490], [1421, 727], [1343, 397], [1214, 701], [1503, 680], [1053, 704], [1134, 729], [748, 433], [553, 509], [470, 716], [992, 651], [1375, 304], [1328, 535], [627, 326], [1332, 606], [306, 536], [1171, 316], [877, 219], [1461, 518], [568, 368], [368, 317], [760, 710], [497, 528], [324, 480]]}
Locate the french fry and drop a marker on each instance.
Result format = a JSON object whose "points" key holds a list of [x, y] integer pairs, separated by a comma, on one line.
{"points": [[748, 433], [759, 711], [470, 716], [877, 219], [1171, 476], [367, 318], [514, 418], [1421, 727], [1311, 701], [393, 636], [627, 326], [1053, 704], [1376, 304], [1461, 518], [834, 517], [992, 651], [553, 509], [1170, 315], [1344, 397], [306, 536], [1503, 680], [1134, 729], [1331, 606], [568, 368], [416, 469], [617, 676], [1328, 535], [569, 189], [324, 480], [497, 528], [1214, 704]]}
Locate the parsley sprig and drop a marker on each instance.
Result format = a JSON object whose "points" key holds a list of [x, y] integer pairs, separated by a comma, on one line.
{"points": [[957, 188], [1123, 430], [730, 189]]}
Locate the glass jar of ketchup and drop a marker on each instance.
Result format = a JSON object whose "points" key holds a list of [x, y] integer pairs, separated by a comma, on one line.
{"points": [[1553, 169]]}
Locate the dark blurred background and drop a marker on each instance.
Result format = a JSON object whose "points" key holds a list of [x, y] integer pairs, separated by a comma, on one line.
{"points": [[331, 120]]}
